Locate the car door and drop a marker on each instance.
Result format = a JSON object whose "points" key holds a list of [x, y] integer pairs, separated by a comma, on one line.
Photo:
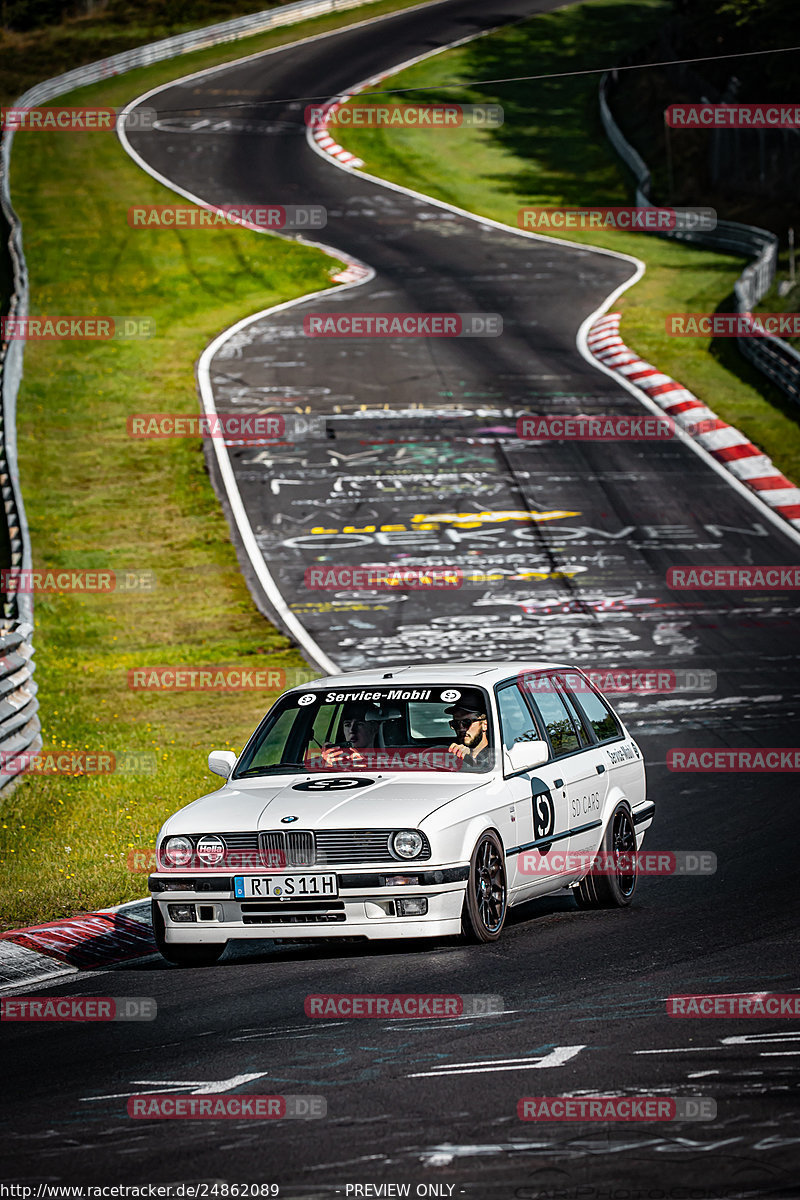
{"points": [[581, 777], [589, 786], [538, 807], [617, 756]]}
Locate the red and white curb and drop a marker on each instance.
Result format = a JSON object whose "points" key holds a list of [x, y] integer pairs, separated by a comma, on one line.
{"points": [[91, 942], [319, 126], [354, 272], [321, 134], [722, 441]]}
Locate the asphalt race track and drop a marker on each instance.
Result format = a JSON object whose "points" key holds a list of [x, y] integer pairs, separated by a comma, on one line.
{"points": [[418, 435]]}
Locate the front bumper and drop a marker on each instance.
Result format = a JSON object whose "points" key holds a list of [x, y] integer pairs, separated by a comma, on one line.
{"points": [[363, 908]]}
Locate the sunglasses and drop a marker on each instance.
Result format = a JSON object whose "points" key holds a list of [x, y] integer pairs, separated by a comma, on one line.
{"points": [[464, 722]]}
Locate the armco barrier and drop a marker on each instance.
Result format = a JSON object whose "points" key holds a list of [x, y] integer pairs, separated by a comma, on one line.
{"points": [[777, 360], [19, 723]]}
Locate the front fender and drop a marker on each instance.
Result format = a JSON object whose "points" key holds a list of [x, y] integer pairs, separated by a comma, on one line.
{"points": [[454, 828]]}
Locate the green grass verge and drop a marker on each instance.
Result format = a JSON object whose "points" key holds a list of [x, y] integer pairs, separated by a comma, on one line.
{"points": [[552, 151], [95, 498]]}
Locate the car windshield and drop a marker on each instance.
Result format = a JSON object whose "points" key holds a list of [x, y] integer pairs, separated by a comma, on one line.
{"points": [[373, 729]]}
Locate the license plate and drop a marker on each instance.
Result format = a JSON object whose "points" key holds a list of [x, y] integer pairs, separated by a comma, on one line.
{"points": [[285, 887]]}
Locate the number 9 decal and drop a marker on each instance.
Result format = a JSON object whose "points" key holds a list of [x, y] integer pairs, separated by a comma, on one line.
{"points": [[544, 815]]}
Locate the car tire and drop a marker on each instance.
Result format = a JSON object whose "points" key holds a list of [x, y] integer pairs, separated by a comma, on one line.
{"points": [[614, 890], [204, 955], [486, 898]]}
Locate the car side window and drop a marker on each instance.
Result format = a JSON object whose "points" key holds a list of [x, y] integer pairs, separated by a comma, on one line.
{"points": [[517, 723], [272, 750], [599, 715], [578, 720], [557, 720]]}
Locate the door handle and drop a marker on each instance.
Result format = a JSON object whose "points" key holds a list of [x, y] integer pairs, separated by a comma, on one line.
{"points": [[601, 769], [558, 782]]}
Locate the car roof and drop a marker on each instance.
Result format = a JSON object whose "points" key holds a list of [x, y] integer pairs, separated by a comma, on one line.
{"points": [[436, 673]]}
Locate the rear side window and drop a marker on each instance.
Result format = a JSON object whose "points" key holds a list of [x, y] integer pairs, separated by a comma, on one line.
{"points": [[599, 715], [577, 720]]}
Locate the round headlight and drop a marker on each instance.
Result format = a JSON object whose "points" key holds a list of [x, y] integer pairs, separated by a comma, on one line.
{"points": [[407, 843], [177, 851], [211, 850]]}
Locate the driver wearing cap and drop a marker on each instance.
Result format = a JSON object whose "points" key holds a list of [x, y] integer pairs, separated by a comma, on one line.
{"points": [[469, 724]]}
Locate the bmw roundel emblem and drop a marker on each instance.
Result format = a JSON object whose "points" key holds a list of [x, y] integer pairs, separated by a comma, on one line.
{"points": [[287, 820]]}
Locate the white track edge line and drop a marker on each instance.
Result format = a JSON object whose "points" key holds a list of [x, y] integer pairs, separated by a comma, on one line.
{"points": [[238, 510], [747, 493], [203, 367]]}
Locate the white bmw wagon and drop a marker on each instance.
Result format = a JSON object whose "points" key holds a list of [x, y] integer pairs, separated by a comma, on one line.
{"points": [[420, 801]]}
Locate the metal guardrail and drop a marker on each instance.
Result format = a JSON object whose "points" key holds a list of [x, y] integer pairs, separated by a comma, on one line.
{"points": [[19, 723], [772, 356]]}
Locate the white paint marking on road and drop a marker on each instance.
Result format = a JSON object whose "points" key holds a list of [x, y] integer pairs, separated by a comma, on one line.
{"points": [[289, 1037], [677, 1049], [450, 1022], [556, 1058], [754, 1039], [193, 1087]]}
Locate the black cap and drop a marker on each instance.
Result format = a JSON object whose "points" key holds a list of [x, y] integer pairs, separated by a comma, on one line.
{"points": [[470, 702]]}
